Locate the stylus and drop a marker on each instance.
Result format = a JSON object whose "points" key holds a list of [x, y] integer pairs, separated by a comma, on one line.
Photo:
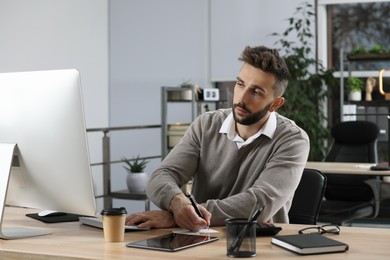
{"points": [[194, 204]]}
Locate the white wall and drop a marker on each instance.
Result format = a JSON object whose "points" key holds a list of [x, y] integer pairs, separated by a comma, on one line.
{"points": [[152, 43], [238, 23], [46, 34]]}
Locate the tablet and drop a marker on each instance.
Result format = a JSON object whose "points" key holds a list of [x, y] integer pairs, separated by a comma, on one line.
{"points": [[172, 242]]}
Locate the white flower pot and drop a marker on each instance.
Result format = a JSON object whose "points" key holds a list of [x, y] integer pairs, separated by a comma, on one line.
{"points": [[136, 182], [355, 96]]}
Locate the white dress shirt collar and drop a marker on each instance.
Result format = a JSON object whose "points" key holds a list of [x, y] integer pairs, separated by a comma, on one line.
{"points": [[229, 127]]}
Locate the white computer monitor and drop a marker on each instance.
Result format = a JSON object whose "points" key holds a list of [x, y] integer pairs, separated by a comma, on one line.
{"points": [[42, 131]]}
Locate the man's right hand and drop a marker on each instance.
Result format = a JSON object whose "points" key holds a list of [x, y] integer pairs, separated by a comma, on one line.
{"points": [[153, 218], [185, 215]]}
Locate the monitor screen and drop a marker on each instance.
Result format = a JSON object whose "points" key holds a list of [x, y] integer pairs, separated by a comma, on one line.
{"points": [[41, 112]]}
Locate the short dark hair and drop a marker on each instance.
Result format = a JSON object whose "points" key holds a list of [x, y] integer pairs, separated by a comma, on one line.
{"points": [[268, 60]]}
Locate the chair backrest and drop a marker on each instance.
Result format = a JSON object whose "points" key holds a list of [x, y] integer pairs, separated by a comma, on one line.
{"points": [[307, 198], [353, 141]]}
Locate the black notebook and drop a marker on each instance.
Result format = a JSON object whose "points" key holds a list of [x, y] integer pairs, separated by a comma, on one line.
{"points": [[305, 244]]}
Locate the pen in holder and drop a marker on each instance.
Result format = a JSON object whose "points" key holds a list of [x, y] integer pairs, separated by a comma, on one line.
{"points": [[241, 235]]}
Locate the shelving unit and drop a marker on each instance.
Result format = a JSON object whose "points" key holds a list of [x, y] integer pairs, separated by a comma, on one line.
{"points": [[173, 95], [376, 110], [350, 61], [171, 133]]}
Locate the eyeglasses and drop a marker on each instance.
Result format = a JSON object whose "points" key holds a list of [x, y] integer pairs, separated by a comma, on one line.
{"points": [[331, 229]]}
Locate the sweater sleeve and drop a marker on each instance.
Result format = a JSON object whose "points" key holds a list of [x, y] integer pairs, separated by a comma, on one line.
{"points": [[176, 169]]}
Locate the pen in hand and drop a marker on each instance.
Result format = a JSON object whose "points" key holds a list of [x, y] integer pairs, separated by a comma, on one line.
{"points": [[194, 204]]}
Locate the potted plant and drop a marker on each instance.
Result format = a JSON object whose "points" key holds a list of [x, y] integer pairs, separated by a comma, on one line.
{"points": [[354, 86], [136, 176], [375, 53]]}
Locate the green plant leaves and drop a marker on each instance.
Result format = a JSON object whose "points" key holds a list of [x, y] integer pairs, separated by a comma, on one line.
{"points": [[308, 87], [135, 165]]}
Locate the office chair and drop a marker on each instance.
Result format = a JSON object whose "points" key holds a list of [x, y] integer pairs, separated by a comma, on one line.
{"points": [[307, 199], [349, 197]]}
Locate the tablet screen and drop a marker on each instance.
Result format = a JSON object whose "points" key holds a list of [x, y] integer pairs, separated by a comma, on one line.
{"points": [[172, 242]]}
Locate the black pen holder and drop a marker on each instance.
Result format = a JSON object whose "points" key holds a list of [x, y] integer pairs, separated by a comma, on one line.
{"points": [[240, 237]]}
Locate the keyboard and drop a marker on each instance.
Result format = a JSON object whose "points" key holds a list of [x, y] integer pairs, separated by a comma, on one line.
{"points": [[97, 222]]}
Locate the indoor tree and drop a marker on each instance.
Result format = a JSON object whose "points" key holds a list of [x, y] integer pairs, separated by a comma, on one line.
{"points": [[310, 82]]}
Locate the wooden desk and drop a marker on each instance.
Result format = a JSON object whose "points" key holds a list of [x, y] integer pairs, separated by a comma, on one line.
{"points": [[345, 168], [74, 241]]}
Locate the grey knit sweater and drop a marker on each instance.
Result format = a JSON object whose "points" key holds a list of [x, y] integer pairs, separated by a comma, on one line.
{"points": [[229, 181]]}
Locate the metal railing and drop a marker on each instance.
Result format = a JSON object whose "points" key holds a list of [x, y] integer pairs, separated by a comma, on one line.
{"points": [[106, 162]]}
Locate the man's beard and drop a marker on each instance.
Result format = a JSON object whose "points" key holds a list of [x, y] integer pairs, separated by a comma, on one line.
{"points": [[252, 118]]}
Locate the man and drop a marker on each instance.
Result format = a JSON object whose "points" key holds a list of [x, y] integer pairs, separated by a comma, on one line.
{"points": [[240, 158]]}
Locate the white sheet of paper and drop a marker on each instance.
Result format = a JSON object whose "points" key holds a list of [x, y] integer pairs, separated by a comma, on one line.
{"points": [[199, 232]]}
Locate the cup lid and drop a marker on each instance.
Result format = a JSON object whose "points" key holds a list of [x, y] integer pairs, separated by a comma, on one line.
{"points": [[114, 211]]}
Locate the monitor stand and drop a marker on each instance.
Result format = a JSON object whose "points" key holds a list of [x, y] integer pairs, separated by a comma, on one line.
{"points": [[7, 151]]}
